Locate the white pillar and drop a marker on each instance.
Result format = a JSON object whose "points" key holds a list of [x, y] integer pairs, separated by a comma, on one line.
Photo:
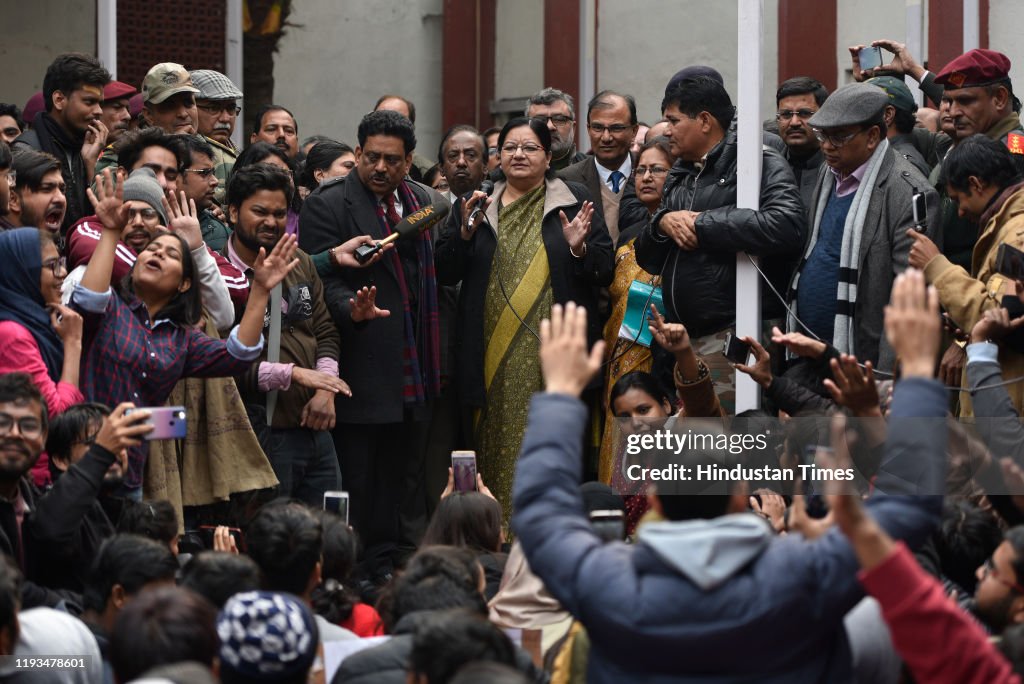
{"points": [[748, 190], [588, 40], [233, 60], [106, 35], [915, 43], [972, 25]]}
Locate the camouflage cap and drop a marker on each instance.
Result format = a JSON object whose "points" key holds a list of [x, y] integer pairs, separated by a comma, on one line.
{"points": [[164, 80]]}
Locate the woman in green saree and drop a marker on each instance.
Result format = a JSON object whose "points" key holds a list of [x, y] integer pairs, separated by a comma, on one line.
{"points": [[536, 241]]}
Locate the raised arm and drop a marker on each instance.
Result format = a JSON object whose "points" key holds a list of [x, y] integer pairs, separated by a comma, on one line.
{"points": [[109, 203], [269, 270]]}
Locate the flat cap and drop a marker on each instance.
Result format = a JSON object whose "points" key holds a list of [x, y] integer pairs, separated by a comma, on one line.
{"points": [[897, 90], [164, 80], [974, 68], [852, 104], [116, 90], [214, 85]]}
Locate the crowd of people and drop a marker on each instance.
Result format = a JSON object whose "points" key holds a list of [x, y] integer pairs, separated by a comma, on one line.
{"points": [[203, 349]]}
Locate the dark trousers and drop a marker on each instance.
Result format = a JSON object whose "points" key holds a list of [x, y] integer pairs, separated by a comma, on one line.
{"points": [[305, 463], [445, 437], [382, 469]]}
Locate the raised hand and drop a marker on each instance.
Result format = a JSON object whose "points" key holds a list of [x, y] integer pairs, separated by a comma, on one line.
{"points": [[108, 200], [481, 199], [95, 140], [799, 344], [771, 507], [364, 306], [994, 325], [223, 541], [120, 431], [183, 218], [577, 230], [761, 370], [672, 337], [564, 361], [912, 324], [67, 322], [853, 388], [271, 269]]}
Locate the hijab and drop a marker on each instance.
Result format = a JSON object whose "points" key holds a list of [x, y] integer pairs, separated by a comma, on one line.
{"points": [[21, 300]]}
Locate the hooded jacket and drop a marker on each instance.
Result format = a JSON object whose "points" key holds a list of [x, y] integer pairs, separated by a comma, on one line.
{"points": [[721, 600], [699, 286]]}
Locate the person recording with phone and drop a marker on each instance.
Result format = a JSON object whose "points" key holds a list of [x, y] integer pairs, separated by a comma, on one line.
{"points": [[536, 241], [979, 174]]}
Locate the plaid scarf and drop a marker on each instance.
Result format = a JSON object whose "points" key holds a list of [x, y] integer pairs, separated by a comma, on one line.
{"points": [[421, 363]]}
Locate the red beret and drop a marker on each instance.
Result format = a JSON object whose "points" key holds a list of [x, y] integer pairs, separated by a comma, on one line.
{"points": [[35, 104], [974, 68], [116, 90], [135, 104]]}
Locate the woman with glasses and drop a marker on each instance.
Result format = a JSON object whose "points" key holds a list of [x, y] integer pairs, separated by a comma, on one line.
{"points": [[38, 335], [623, 355], [535, 242]]}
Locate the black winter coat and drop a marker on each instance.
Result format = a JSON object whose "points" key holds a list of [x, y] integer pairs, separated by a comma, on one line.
{"points": [[572, 279], [699, 286]]}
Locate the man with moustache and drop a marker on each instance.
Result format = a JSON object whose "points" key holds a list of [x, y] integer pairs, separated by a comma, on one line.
{"points": [[53, 536], [387, 313], [556, 109], [405, 107], [276, 125], [294, 421], [37, 197], [71, 128], [117, 115], [217, 108], [797, 99]]}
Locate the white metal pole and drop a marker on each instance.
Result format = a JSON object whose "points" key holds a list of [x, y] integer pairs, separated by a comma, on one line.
{"points": [[748, 183], [106, 35], [972, 25], [915, 43], [588, 38], [233, 64]]}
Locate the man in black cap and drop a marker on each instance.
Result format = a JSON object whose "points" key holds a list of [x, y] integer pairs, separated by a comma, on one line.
{"points": [[859, 219], [900, 120], [693, 238]]}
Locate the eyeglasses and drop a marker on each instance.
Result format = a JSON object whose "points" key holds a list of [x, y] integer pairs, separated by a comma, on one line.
{"points": [[989, 570], [557, 119], [491, 151], [802, 114], [655, 171], [147, 215], [528, 148], [12, 177], [614, 129], [57, 265], [834, 140], [214, 108], [28, 426], [202, 173]]}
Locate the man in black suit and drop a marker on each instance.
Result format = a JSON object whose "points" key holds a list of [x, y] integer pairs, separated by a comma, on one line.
{"points": [[387, 315], [611, 123]]}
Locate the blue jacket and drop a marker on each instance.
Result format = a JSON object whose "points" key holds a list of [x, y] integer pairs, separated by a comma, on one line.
{"points": [[720, 600]]}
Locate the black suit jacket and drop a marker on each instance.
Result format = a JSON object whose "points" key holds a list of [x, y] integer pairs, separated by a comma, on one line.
{"points": [[371, 351]]}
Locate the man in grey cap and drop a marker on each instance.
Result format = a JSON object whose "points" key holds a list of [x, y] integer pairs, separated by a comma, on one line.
{"points": [[861, 209], [900, 120], [217, 105]]}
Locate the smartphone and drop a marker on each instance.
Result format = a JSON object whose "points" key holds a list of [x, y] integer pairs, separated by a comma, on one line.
{"points": [[168, 422], [816, 505], [1010, 262], [206, 534], [920, 211], [870, 57], [464, 470], [735, 349], [610, 525], [337, 502]]}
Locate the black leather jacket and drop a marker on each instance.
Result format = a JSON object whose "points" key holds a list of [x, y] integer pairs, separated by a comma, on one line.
{"points": [[699, 286]]}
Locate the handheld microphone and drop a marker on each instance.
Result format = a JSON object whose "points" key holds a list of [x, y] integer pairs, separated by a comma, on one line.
{"points": [[487, 187], [411, 225]]}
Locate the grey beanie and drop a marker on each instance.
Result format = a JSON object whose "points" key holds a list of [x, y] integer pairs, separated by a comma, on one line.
{"points": [[143, 187]]}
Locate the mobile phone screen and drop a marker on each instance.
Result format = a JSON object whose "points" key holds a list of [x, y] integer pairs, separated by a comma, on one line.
{"points": [[464, 470], [870, 57]]}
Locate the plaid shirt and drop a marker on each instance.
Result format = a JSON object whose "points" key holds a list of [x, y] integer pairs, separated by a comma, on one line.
{"points": [[127, 358]]}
